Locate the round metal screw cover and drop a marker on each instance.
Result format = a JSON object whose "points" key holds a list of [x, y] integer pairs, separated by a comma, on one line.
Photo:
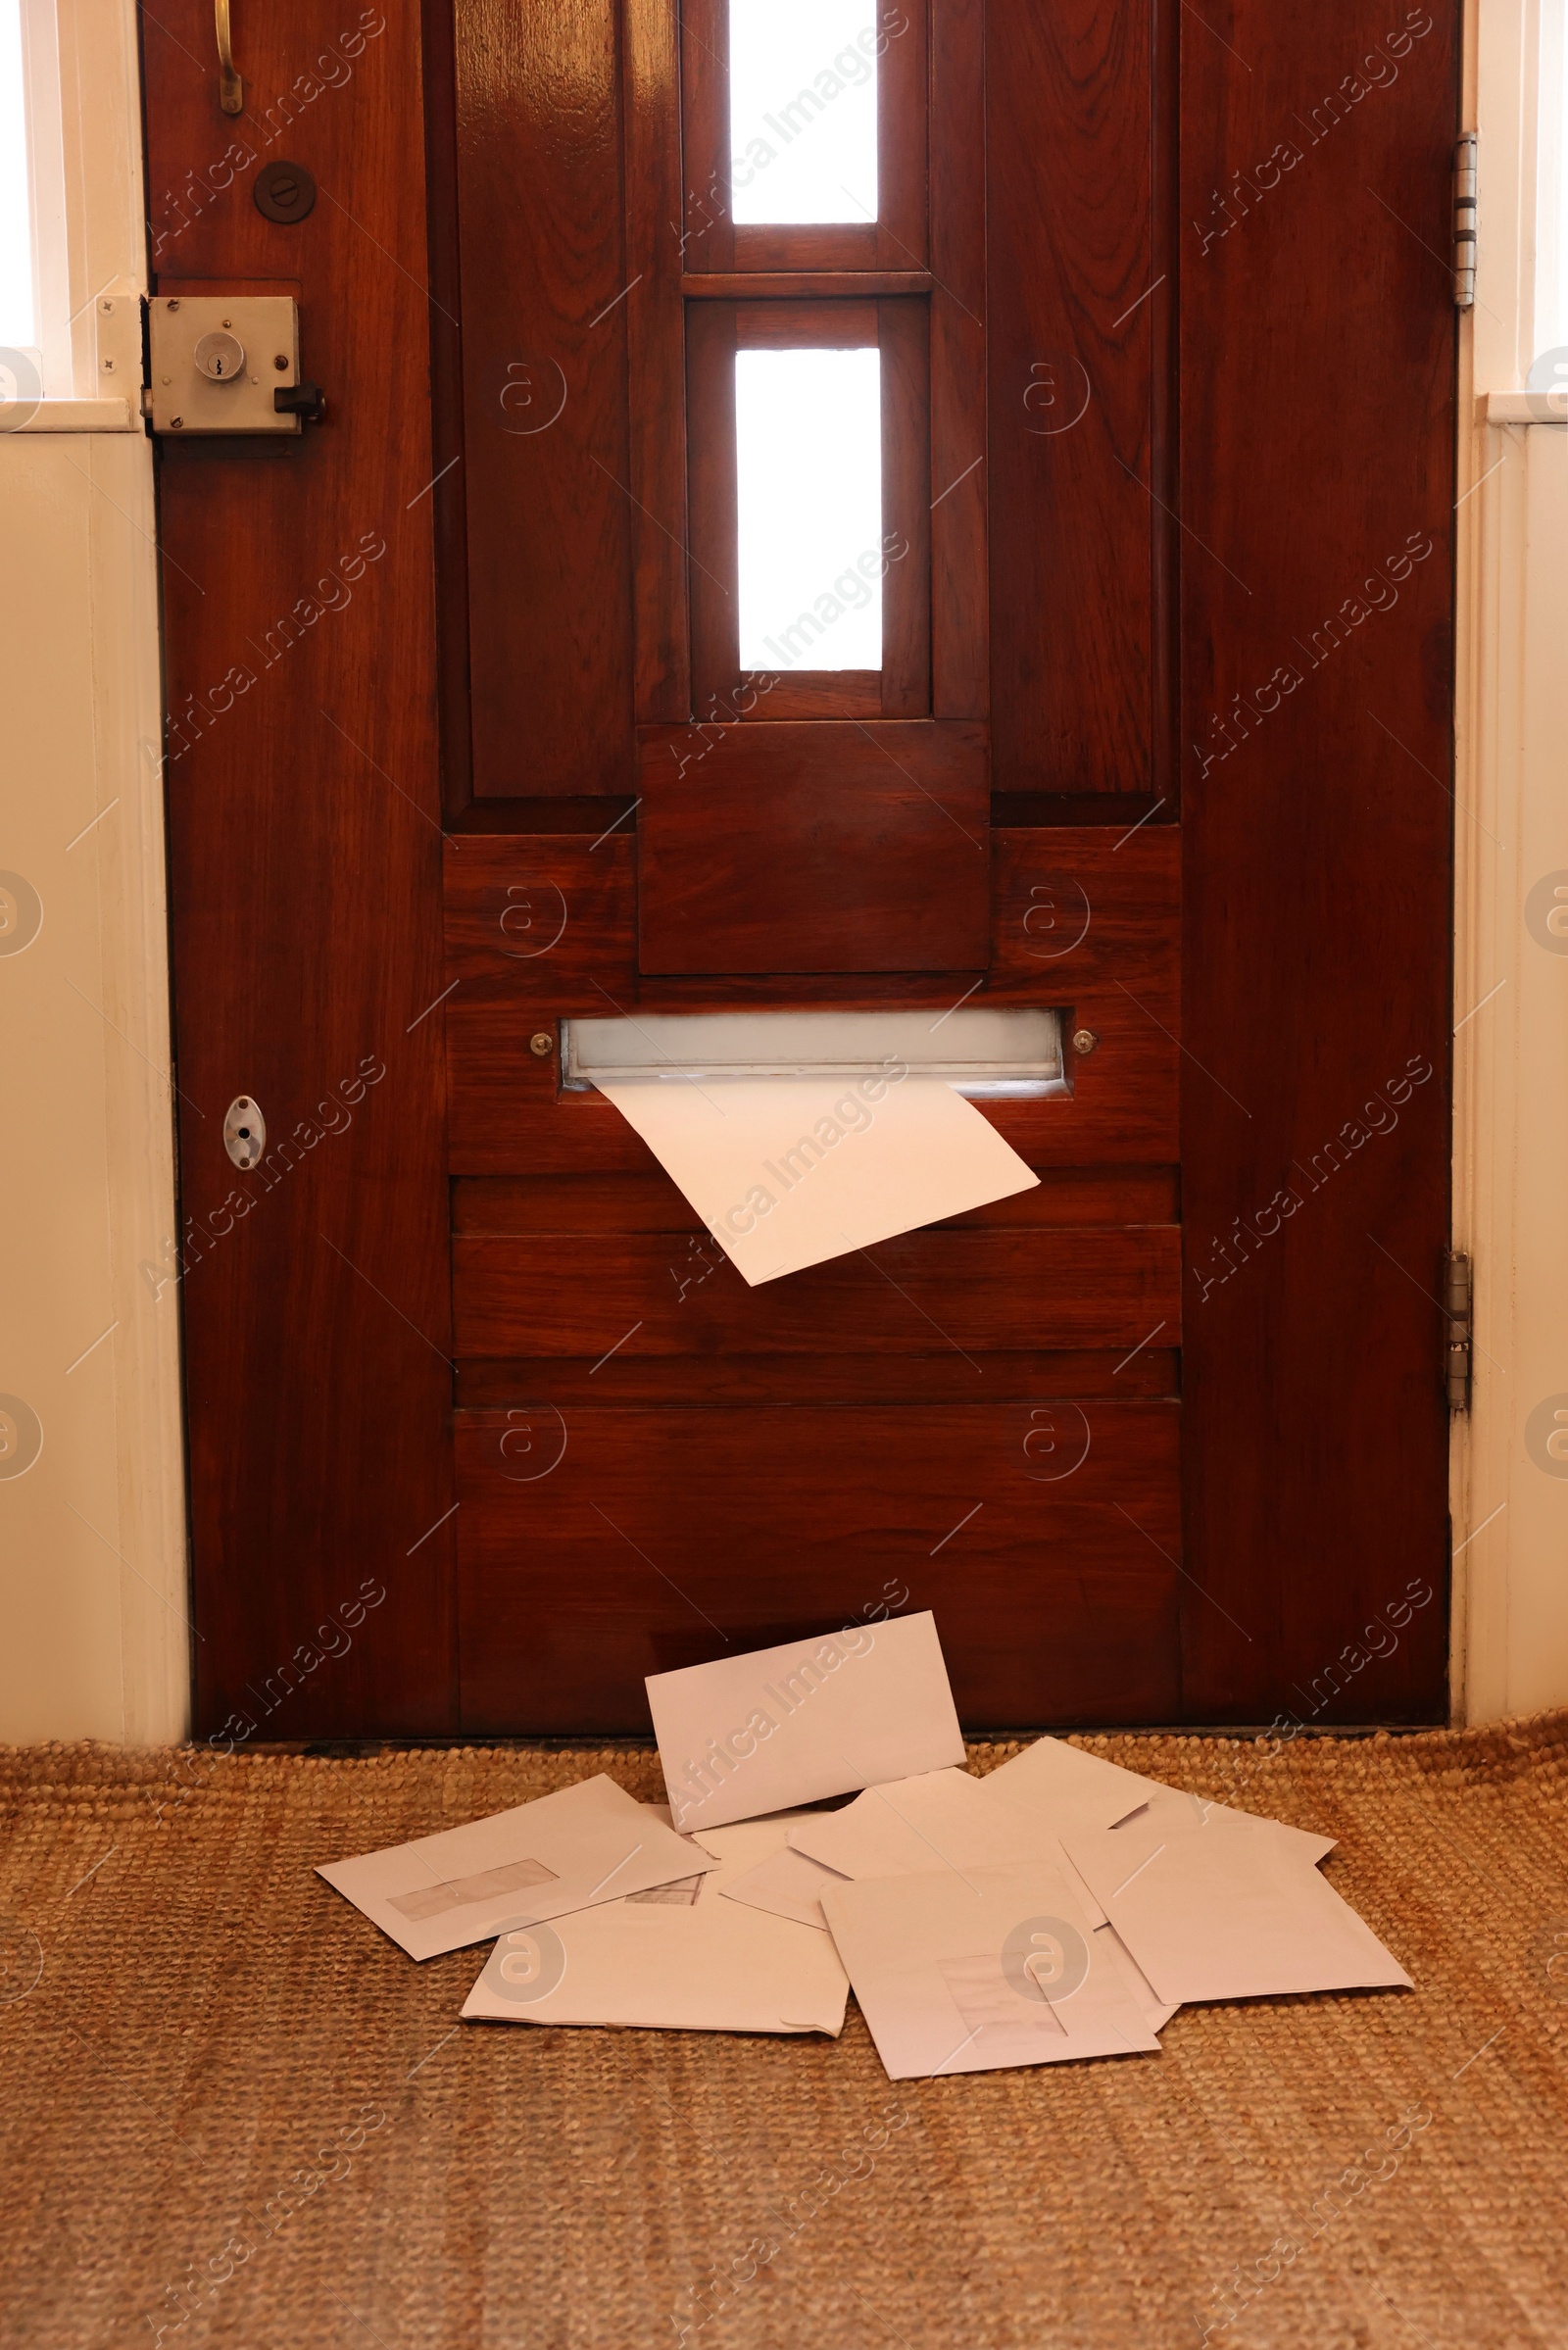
{"points": [[1084, 1040], [541, 1043], [284, 192]]}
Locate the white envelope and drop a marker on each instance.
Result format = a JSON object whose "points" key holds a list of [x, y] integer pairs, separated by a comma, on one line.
{"points": [[1072, 1789], [589, 1842], [1173, 1812], [786, 1171], [756, 1734], [1225, 1915], [971, 1975], [787, 1883], [673, 1960], [743, 1842], [1155, 2012], [768, 1874], [940, 1818]]}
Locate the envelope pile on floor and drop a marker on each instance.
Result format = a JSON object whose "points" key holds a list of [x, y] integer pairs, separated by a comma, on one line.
{"points": [[1058, 1908]]}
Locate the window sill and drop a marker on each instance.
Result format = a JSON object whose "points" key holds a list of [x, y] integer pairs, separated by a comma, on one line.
{"points": [[1517, 408], [80, 416]]}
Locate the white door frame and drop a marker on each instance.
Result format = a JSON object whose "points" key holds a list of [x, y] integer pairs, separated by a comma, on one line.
{"points": [[1511, 1494]]}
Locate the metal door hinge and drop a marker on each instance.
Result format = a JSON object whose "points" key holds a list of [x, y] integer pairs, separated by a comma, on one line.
{"points": [[1459, 1302], [1464, 222]]}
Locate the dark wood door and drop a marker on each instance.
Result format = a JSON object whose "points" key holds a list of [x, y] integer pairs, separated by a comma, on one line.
{"points": [[466, 739]]}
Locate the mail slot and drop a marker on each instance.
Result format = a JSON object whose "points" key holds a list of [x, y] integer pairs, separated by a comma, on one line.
{"points": [[985, 1055]]}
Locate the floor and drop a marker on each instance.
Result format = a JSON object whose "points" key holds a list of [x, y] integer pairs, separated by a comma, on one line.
{"points": [[233, 2113]]}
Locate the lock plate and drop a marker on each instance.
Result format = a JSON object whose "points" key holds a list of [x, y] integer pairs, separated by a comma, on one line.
{"points": [[199, 386], [244, 1132]]}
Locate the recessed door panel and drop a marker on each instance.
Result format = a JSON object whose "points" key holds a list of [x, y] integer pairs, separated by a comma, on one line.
{"points": [[602, 1544]]}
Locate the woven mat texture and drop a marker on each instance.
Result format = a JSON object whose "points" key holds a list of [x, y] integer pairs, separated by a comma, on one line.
{"points": [[234, 2114]]}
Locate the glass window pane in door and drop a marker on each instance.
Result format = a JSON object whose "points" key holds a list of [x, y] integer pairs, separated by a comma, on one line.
{"points": [[809, 466], [803, 110]]}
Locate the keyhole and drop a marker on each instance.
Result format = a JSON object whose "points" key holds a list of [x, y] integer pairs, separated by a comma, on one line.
{"points": [[219, 357], [245, 1132]]}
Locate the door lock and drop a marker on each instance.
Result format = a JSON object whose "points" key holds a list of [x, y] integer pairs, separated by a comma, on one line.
{"points": [[228, 362], [306, 401], [221, 357]]}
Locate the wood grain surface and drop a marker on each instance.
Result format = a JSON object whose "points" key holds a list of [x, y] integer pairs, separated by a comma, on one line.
{"points": [[547, 461], [1015, 1290], [874, 856], [1077, 319], [305, 868], [1170, 368], [1318, 685], [602, 1544]]}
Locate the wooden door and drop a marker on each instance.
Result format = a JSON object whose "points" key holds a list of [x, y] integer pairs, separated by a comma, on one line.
{"points": [[1159, 740]]}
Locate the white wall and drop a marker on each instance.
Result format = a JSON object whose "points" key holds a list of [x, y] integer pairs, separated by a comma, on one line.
{"points": [[1511, 1066], [93, 1544]]}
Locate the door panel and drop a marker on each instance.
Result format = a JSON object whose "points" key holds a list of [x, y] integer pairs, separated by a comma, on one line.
{"points": [[491, 1207], [1079, 124], [659, 1536], [1317, 473], [305, 875], [1077, 923], [546, 457], [1174, 401], [874, 856], [542, 1293]]}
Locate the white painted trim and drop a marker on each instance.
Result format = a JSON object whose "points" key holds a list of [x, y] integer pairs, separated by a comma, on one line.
{"points": [[1510, 1516], [79, 415], [1514, 408], [93, 1577]]}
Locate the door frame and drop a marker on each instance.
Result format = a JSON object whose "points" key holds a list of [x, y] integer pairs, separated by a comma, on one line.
{"points": [[1510, 1521], [93, 1554]]}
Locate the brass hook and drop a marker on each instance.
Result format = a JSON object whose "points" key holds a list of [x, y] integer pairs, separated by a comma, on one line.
{"points": [[230, 89]]}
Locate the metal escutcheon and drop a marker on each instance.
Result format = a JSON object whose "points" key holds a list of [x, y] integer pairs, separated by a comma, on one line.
{"points": [[244, 1132]]}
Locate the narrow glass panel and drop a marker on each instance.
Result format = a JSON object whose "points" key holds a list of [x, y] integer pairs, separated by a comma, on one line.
{"points": [[1549, 373], [809, 463], [18, 324], [803, 110]]}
